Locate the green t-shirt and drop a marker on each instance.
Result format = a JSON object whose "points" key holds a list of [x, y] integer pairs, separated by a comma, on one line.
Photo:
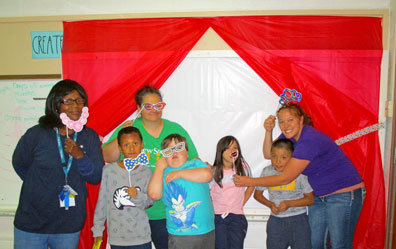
{"points": [[152, 148]]}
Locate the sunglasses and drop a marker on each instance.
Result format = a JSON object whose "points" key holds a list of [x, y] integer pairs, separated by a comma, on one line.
{"points": [[158, 107], [169, 151]]}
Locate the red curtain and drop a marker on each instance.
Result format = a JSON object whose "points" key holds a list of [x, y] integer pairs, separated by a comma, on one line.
{"points": [[112, 59], [333, 61]]}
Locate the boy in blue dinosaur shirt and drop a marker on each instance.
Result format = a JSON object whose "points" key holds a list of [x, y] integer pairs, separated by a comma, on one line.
{"points": [[184, 189]]}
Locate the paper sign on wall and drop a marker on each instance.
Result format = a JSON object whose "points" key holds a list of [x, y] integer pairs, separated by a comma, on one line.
{"points": [[46, 44]]}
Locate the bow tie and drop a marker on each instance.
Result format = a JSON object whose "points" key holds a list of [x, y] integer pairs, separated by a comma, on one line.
{"points": [[131, 163]]}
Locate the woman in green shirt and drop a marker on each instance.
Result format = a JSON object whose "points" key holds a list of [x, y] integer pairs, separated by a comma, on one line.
{"points": [[154, 129]]}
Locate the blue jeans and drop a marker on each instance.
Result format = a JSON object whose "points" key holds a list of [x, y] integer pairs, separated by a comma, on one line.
{"points": [[338, 214], [143, 246], [159, 234], [292, 231], [23, 240], [230, 231]]}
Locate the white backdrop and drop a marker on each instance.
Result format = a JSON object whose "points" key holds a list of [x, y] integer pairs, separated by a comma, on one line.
{"points": [[212, 97]]}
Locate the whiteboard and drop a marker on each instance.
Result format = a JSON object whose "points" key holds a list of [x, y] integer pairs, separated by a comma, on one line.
{"points": [[18, 112]]}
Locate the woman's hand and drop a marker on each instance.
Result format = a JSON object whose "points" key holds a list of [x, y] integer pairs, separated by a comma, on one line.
{"points": [[72, 148], [128, 123], [242, 181], [269, 123]]}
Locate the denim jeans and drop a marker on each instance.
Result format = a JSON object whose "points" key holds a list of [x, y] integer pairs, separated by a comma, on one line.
{"points": [[292, 231], [159, 233], [230, 231], [338, 214], [143, 246], [23, 240]]}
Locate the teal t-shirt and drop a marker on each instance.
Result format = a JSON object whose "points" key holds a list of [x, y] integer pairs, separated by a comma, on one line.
{"points": [[189, 208], [152, 148]]}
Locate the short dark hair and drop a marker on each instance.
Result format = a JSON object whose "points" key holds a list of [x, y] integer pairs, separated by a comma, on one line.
{"points": [[147, 89], [64, 87], [283, 143], [178, 138], [128, 130]]}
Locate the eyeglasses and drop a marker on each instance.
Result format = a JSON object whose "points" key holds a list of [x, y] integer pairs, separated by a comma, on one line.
{"points": [[169, 151], [158, 107], [71, 101]]}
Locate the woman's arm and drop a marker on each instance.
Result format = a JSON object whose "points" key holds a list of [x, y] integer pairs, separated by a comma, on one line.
{"points": [[111, 153], [90, 165], [293, 169], [23, 154], [269, 125]]}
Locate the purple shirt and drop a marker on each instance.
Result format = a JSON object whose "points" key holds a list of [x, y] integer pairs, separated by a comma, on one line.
{"points": [[329, 169]]}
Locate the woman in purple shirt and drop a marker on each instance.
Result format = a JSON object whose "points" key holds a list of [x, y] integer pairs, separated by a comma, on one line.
{"points": [[338, 188]]}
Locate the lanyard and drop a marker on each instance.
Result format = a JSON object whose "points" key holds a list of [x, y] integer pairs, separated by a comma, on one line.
{"points": [[62, 155]]}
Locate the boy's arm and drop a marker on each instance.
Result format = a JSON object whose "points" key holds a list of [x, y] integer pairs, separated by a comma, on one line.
{"points": [[199, 175], [258, 195], [155, 184], [248, 193], [307, 200], [100, 214]]}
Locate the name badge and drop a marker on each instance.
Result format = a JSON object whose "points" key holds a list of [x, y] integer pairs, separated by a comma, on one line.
{"points": [[66, 197]]}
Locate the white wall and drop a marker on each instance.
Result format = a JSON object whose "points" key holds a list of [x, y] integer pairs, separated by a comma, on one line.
{"points": [[18, 8]]}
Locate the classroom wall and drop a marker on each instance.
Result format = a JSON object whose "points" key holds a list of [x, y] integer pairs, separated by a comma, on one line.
{"points": [[23, 8]]}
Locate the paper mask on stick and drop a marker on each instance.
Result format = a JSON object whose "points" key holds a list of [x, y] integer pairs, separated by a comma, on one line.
{"points": [[78, 124]]}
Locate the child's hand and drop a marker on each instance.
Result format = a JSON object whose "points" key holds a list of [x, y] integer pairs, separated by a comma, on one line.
{"points": [[171, 176], [97, 239], [275, 208], [283, 206], [128, 123], [72, 148], [241, 181], [132, 192], [269, 123], [161, 163]]}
